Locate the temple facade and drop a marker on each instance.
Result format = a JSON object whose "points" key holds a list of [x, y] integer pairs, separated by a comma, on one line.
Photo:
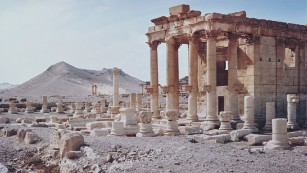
{"points": [[230, 56]]}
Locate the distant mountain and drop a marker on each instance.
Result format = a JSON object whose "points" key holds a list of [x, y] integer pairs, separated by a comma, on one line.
{"points": [[184, 80], [5, 86], [66, 80]]}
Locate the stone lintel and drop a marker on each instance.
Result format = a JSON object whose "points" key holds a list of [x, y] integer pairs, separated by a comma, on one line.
{"points": [[187, 88], [160, 20]]}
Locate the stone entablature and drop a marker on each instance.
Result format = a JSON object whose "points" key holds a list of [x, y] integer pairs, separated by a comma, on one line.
{"points": [[182, 25]]}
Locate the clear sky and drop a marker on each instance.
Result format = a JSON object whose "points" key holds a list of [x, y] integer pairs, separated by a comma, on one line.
{"points": [[96, 34]]}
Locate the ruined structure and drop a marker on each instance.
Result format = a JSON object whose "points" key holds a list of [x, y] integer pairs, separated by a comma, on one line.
{"points": [[230, 56]]}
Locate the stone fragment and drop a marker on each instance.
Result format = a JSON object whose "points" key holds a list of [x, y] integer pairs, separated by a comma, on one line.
{"points": [[93, 125], [26, 121], [9, 132], [256, 139], [216, 132], [100, 132], [4, 120], [31, 138], [38, 125], [179, 9], [117, 129], [40, 119], [187, 130], [295, 134], [279, 135], [21, 133], [297, 140], [130, 123], [73, 154], [225, 118], [70, 142], [236, 135], [218, 138]]}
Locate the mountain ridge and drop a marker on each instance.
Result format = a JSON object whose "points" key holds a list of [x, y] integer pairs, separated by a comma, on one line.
{"points": [[65, 79]]}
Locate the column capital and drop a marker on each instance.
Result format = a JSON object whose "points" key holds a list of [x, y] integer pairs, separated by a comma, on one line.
{"points": [[231, 36], [170, 41], [211, 34], [153, 44], [116, 71], [194, 38]]}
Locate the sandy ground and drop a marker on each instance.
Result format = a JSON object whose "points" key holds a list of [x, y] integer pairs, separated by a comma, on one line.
{"points": [[157, 154]]}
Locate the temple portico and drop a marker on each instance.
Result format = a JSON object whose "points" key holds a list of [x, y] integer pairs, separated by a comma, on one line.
{"points": [[229, 56]]}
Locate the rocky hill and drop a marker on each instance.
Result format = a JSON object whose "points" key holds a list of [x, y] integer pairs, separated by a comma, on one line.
{"points": [[66, 80]]}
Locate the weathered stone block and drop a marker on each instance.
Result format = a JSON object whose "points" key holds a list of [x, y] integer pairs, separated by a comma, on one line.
{"points": [[101, 132], [70, 142], [93, 125], [255, 139], [31, 138], [187, 130], [4, 120], [239, 134], [179, 9]]}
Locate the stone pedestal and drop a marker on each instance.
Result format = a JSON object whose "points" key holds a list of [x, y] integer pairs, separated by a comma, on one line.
{"points": [[269, 115], [59, 108], [139, 101], [78, 110], [113, 111], [117, 129], [249, 113], [225, 118], [45, 105], [29, 108], [292, 100], [279, 135], [13, 109], [145, 125], [172, 124], [96, 108], [130, 123], [87, 107]]}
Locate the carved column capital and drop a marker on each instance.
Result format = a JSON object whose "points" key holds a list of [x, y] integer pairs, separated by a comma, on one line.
{"points": [[153, 44], [170, 41], [116, 71], [211, 34], [231, 36], [177, 45], [194, 38]]}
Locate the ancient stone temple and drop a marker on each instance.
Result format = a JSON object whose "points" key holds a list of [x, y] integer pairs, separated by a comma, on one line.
{"points": [[230, 56]]}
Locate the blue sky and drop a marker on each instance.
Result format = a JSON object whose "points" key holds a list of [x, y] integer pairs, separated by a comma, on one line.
{"points": [[96, 34]]}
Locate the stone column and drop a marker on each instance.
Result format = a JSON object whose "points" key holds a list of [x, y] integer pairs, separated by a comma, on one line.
{"points": [[145, 125], [269, 115], [211, 117], [133, 100], [292, 100], [233, 77], [78, 110], [154, 80], [172, 124], [73, 108], [193, 79], [45, 105], [103, 106], [59, 108], [116, 74], [249, 113], [139, 101], [225, 118], [13, 109], [29, 108], [279, 135], [170, 73]]}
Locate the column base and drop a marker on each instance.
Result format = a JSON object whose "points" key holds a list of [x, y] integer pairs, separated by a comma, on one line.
{"points": [[225, 126], [193, 118], [275, 145], [172, 129], [292, 126], [131, 130]]}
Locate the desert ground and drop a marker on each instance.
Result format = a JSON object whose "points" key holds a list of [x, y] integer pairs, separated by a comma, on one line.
{"points": [[184, 153]]}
